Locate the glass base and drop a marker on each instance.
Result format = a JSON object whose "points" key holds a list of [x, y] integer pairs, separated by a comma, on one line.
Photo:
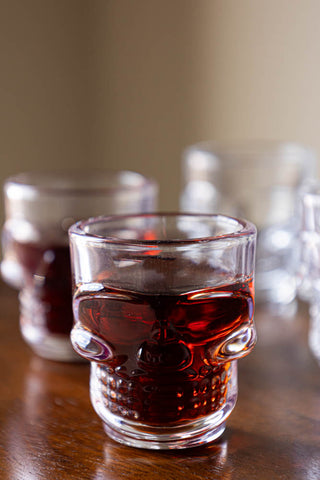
{"points": [[49, 346], [190, 435], [134, 433]]}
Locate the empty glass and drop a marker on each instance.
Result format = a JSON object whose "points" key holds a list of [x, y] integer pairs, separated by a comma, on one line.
{"points": [[257, 180], [39, 208], [163, 307], [308, 272]]}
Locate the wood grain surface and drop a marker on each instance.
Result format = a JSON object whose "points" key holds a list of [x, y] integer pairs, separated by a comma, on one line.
{"points": [[49, 431]]}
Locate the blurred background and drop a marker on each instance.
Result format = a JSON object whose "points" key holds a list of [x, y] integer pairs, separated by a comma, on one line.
{"points": [[128, 84]]}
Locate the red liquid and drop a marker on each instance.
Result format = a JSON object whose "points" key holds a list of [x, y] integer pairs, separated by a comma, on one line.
{"points": [[163, 368], [47, 298]]}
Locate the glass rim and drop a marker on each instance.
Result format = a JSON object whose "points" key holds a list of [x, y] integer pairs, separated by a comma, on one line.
{"points": [[77, 230], [310, 190], [249, 148], [64, 182]]}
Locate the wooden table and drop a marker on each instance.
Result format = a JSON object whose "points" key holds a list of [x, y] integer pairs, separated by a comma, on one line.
{"points": [[48, 429]]}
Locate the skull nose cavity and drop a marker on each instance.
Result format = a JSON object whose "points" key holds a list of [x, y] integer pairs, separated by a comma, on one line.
{"points": [[238, 344], [88, 345], [173, 355]]}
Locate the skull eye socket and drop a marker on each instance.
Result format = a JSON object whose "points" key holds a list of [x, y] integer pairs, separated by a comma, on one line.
{"points": [[213, 318], [118, 319]]}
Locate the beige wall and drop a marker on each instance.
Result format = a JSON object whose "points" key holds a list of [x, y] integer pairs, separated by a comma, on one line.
{"points": [[128, 83]]}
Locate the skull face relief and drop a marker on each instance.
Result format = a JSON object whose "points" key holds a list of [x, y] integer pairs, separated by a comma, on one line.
{"points": [[164, 358]]}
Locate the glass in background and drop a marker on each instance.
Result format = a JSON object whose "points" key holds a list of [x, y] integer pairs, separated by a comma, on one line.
{"points": [[308, 275], [39, 208], [257, 180]]}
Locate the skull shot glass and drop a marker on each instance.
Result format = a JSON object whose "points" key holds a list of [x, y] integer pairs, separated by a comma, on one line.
{"points": [[39, 209], [163, 307]]}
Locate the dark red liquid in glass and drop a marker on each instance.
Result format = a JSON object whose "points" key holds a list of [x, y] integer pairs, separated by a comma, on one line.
{"points": [[162, 368], [47, 283]]}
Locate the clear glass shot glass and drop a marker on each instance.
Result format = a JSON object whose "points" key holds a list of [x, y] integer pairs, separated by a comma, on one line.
{"points": [[308, 263], [39, 208], [257, 180], [163, 307]]}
